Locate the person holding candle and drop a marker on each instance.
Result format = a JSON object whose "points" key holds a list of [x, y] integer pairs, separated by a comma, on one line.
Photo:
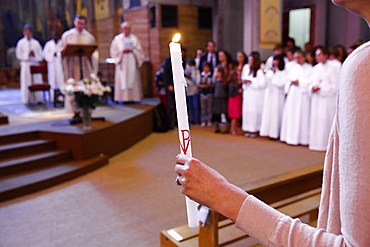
{"points": [[344, 218]]}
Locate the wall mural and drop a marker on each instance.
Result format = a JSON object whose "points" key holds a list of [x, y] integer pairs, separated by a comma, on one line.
{"points": [[47, 15], [101, 9], [270, 19]]}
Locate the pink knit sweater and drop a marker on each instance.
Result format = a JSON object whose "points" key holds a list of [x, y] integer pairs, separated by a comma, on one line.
{"points": [[344, 213]]}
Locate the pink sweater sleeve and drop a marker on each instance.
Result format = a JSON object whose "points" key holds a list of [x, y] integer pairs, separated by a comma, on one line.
{"points": [[272, 228]]}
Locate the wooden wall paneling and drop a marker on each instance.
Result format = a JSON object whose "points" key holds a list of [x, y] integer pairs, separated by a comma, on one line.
{"points": [[191, 36], [139, 20], [104, 30]]}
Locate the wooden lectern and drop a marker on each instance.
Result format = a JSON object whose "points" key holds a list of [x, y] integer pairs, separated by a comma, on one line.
{"points": [[79, 50]]}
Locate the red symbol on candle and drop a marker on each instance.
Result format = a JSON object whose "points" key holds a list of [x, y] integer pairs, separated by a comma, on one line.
{"points": [[185, 141]]}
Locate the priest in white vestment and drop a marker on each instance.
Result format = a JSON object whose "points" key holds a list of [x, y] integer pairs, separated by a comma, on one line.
{"points": [[53, 55], [128, 55], [324, 87], [79, 36], [71, 64], [296, 114], [29, 52]]}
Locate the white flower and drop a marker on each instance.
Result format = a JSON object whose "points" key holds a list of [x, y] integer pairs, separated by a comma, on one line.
{"points": [[71, 81], [80, 87], [95, 89], [70, 89], [87, 92]]}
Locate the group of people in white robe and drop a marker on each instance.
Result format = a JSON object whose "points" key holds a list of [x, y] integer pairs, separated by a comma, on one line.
{"points": [[289, 98], [30, 52], [126, 50], [295, 104]]}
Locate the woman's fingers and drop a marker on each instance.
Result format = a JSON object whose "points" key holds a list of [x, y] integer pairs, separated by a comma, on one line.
{"points": [[183, 159]]}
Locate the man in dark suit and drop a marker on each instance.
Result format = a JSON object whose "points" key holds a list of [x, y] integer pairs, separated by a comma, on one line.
{"points": [[168, 82], [209, 56]]}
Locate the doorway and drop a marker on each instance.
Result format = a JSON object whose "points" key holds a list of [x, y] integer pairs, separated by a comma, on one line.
{"points": [[298, 24]]}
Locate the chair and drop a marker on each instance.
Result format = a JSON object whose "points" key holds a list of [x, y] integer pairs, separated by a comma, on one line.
{"points": [[44, 86]]}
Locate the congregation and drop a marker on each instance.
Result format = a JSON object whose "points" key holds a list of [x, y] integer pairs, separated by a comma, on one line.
{"points": [[290, 97]]}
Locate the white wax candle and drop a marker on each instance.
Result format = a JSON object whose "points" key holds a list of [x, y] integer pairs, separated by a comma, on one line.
{"points": [[182, 118]]}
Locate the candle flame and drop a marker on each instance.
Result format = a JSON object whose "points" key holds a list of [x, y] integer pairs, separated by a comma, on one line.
{"points": [[176, 38]]}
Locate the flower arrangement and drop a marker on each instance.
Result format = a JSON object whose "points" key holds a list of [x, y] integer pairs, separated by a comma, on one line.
{"points": [[86, 91]]}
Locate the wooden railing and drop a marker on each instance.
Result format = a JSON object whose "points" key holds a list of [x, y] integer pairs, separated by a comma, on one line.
{"points": [[296, 194]]}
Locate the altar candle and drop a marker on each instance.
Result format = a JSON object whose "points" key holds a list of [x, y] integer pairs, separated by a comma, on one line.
{"points": [[182, 116]]}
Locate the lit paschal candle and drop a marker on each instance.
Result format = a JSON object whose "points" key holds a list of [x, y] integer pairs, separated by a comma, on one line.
{"points": [[182, 116]]}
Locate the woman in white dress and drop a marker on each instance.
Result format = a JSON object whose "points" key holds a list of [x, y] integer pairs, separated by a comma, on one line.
{"points": [[274, 99], [254, 84], [296, 114]]}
